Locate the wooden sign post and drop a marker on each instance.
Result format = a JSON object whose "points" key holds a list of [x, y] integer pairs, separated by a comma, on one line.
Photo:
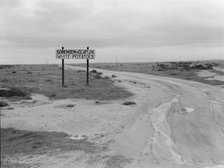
{"points": [[75, 54], [87, 69], [63, 70]]}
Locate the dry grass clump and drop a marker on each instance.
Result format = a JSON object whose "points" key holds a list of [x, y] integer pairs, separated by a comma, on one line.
{"points": [[117, 161], [39, 142], [98, 76], [14, 91]]}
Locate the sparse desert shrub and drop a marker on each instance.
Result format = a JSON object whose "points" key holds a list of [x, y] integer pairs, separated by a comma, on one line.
{"points": [[99, 73], [173, 73], [97, 76], [70, 105], [117, 161], [129, 103], [20, 92], [4, 80], [6, 66], [214, 64], [93, 71], [3, 104], [106, 77], [52, 95], [159, 69], [113, 76]]}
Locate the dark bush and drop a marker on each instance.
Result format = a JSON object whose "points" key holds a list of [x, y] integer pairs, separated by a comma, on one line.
{"points": [[93, 71], [113, 76], [3, 104], [129, 103], [52, 95], [20, 92], [70, 105], [174, 73]]}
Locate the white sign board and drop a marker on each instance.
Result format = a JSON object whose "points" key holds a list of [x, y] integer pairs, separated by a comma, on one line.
{"points": [[75, 54]]}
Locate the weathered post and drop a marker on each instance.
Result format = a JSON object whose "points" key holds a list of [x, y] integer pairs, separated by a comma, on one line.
{"points": [[87, 69], [63, 78]]}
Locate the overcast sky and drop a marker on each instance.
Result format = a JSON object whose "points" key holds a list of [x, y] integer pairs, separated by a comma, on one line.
{"points": [[122, 30]]}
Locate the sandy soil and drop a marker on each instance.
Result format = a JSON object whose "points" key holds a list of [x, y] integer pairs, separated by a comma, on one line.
{"points": [[219, 69], [174, 124], [211, 75]]}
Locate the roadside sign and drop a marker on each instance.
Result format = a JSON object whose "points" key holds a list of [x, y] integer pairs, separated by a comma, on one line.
{"points": [[75, 54]]}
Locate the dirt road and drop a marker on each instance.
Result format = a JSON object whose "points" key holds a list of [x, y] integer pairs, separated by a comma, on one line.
{"points": [[174, 124]]}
